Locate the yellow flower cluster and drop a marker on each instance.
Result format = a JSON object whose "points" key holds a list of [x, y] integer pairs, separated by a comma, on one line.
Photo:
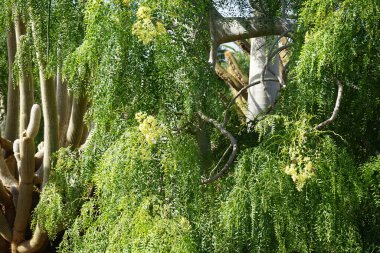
{"points": [[149, 127], [300, 169], [144, 28]]}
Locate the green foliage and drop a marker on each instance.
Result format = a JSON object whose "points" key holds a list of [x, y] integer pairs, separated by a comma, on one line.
{"points": [[267, 211], [338, 40], [135, 187], [144, 194]]}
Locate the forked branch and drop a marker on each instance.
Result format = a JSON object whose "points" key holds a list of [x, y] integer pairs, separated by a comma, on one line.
{"points": [[336, 108], [234, 145]]}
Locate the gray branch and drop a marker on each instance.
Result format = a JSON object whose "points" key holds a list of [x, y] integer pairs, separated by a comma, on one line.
{"points": [[336, 108], [234, 145]]}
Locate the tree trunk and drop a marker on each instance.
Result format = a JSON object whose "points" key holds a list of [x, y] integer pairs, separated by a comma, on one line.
{"points": [[261, 96]]}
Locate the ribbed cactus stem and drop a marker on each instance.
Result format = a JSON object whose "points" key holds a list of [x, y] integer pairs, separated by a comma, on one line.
{"points": [[74, 132], [25, 191], [62, 105], [34, 122], [11, 130], [25, 77]]}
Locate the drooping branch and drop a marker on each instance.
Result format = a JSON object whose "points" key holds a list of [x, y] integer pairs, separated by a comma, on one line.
{"points": [[234, 145], [226, 29], [336, 108]]}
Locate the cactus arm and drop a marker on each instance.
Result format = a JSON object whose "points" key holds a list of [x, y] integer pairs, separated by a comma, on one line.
{"points": [[34, 123]]}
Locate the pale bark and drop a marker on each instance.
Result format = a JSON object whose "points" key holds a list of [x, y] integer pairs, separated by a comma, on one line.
{"points": [[263, 95]]}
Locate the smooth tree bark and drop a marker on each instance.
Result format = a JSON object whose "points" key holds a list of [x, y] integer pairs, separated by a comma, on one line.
{"points": [[263, 95]]}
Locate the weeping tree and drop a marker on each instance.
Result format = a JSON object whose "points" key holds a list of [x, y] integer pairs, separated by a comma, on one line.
{"points": [[157, 168]]}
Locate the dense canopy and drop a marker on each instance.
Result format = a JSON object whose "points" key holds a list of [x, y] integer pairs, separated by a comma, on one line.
{"points": [[190, 126]]}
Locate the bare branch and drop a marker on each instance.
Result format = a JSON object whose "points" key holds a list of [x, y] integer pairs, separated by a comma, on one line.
{"points": [[336, 108], [234, 145], [220, 160]]}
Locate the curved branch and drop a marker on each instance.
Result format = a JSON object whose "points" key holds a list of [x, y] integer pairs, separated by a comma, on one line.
{"points": [[237, 95], [272, 54], [336, 108], [234, 145]]}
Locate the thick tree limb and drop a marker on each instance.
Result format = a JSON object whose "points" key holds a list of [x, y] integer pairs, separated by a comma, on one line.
{"points": [[37, 242], [234, 145], [336, 108], [5, 176], [224, 29]]}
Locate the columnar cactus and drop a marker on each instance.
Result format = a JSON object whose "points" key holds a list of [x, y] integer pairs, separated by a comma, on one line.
{"points": [[26, 174]]}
